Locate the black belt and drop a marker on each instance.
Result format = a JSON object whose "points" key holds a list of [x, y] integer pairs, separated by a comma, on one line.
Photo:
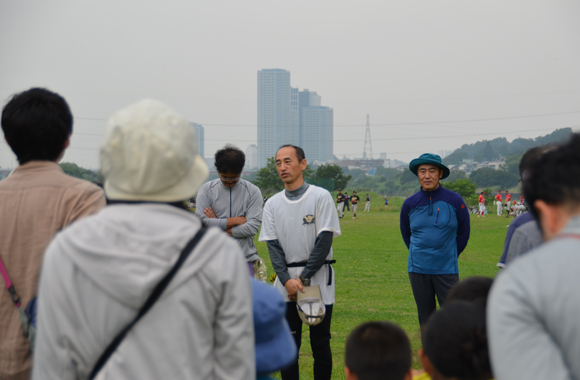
{"points": [[304, 263]]}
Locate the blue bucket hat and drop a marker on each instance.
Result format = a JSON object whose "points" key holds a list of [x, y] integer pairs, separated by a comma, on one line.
{"points": [[275, 347], [429, 159]]}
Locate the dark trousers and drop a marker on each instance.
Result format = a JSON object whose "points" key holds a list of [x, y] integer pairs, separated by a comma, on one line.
{"points": [[426, 287], [346, 205], [319, 342]]}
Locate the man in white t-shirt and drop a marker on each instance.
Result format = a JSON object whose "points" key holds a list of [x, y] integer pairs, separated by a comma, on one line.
{"points": [[298, 225]]}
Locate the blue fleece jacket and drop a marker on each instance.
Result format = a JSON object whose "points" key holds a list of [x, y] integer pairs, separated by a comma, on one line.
{"points": [[435, 228]]}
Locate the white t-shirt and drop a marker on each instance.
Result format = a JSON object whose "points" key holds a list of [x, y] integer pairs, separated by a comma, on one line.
{"points": [[296, 225]]}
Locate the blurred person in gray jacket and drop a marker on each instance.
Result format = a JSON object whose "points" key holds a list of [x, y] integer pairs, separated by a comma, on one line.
{"points": [[98, 273], [534, 308], [231, 203]]}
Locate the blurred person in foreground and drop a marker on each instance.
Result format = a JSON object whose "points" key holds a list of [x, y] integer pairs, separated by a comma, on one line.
{"points": [[275, 346], [435, 227], [378, 351], [455, 344], [98, 273], [533, 310], [36, 201], [523, 232], [231, 203]]}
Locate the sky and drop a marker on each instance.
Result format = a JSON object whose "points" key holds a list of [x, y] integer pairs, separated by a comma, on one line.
{"points": [[431, 74]]}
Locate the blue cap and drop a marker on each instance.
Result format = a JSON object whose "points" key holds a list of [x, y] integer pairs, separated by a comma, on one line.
{"points": [[275, 347]]}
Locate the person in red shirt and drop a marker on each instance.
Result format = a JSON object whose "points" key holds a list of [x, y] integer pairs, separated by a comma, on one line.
{"points": [[481, 204], [499, 203], [508, 200]]}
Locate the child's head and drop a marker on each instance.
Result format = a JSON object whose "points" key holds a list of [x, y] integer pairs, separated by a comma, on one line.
{"points": [[378, 351], [455, 343], [472, 289]]}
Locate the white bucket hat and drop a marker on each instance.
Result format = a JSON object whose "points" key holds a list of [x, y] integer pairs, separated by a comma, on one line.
{"points": [[150, 154], [310, 307]]}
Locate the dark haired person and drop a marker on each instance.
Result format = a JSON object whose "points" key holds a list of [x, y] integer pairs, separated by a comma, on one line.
{"points": [[533, 309], [36, 201], [98, 273], [472, 289], [524, 232], [354, 200], [455, 343], [299, 225], [377, 351], [435, 228], [231, 203], [340, 199]]}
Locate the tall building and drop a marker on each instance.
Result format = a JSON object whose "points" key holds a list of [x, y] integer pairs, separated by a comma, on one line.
{"points": [[251, 157], [287, 115], [317, 133], [200, 138], [277, 124]]}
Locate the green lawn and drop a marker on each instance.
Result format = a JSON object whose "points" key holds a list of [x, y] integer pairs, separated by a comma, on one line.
{"points": [[371, 275]]}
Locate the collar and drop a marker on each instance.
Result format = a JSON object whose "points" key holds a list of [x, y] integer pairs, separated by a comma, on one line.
{"points": [[38, 166], [431, 193]]}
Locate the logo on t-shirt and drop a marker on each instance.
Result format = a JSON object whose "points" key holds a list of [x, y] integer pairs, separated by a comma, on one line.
{"points": [[308, 219]]}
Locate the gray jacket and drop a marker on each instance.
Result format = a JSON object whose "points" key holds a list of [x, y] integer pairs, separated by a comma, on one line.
{"points": [[533, 312], [244, 199], [97, 274]]}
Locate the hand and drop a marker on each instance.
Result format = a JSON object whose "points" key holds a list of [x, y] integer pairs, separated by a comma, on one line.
{"points": [[292, 286], [235, 221], [209, 212], [229, 231]]}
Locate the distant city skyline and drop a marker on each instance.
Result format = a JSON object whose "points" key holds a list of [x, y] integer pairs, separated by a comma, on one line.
{"points": [[287, 115]]}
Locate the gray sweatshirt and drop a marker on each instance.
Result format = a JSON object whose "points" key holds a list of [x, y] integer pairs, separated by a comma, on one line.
{"points": [[244, 199], [534, 312]]}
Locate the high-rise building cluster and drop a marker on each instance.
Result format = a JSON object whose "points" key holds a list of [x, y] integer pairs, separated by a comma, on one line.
{"points": [[199, 133], [287, 115]]}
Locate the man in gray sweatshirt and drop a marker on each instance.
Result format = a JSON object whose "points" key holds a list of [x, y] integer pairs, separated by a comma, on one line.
{"points": [[533, 323], [231, 203]]}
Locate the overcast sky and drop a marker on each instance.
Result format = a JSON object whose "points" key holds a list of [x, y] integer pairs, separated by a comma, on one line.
{"points": [[431, 74]]}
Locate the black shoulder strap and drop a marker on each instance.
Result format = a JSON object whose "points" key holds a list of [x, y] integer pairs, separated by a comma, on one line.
{"points": [[149, 303]]}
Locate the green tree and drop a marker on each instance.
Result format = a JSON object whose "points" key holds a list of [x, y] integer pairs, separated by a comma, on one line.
{"points": [[512, 164], [332, 172], [267, 178], [465, 188], [454, 175], [74, 170], [488, 177]]}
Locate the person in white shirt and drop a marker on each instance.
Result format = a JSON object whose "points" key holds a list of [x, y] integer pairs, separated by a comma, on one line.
{"points": [[298, 225]]}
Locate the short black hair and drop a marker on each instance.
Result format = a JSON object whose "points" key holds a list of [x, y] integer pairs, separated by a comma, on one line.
{"points": [[299, 151], [472, 289], [36, 124], [378, 351], [230, 159], [555, 176], [455, 341]]}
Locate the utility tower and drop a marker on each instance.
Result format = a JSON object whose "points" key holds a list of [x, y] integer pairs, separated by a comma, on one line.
{"points": [[368, 144]]}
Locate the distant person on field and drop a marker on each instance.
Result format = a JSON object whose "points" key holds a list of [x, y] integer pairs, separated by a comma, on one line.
{"points": [[368, 204], [533, 310], [340, 203], [231, 203], [354, 200], [524, 231], [455, 344], [435, 228], [274, 344], [386, 202], [346, 201], [98, 273], [299, 226], [508, 201], [36, 201], [481, 204], [499, 203], [377, 351]]}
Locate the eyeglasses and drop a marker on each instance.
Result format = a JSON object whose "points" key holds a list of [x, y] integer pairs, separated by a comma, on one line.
{"points": [[230, 179]]}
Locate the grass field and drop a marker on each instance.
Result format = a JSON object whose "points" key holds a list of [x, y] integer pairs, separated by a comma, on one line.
{"points": [[371, 275]]}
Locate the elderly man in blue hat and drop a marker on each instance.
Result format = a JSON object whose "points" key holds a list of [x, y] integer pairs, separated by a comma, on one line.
{"points": [[435, 228]]}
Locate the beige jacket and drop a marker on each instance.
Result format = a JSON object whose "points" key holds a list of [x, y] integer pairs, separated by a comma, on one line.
{"points": [[36, 201]]}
